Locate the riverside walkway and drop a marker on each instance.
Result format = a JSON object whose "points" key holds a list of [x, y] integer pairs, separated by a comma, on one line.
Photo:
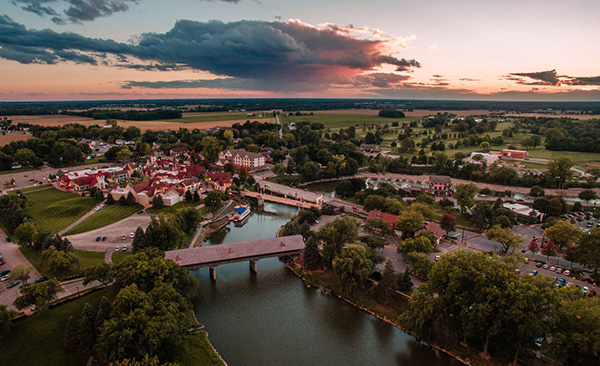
{"points": [[214, 255]]}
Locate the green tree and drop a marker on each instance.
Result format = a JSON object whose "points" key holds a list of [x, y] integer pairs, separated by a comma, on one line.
{"points": [[425, 198], [505, 236], [24, 156], [482, 215], [123, 154], [21, 273], [62, 264], [312, 256], [384, 289], [110, 200], [563, 234], [103, 273], [378, 225], [279, 170], [71, 336], [575, 340], [87, 328], [374, 202], [188, 196], [537, 191], [334, 235], [420, 244], [210, 148], [214, 199], [588, 250], [560, 169], [465, 196], [157, 202], [405, 281], [549, 250], [122, 201], [40, 295], [25, 234], [587, 195], [420, 265], [409, 222], [353, 266]]}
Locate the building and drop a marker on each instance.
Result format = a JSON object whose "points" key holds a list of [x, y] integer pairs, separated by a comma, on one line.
{"points": [[522, 212], [437, 231], [219, 180], [240, 158], [369, 148], [514, 154], [478, 158], [391, 219], [180, 152], [440, 185]]}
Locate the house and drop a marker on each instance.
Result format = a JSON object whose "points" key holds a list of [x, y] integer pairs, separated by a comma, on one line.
{"points": [[292, 126], [180, 152], [391, 219], [440, 185], [369, 148], [514, 154], [437, 232], [241, 158]]}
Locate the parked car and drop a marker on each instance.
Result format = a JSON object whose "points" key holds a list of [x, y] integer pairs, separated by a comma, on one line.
{"points": [[98, 238], [140, 212], [117, 248], [5, 272], [533, 273], [124, 248], [559, 270], [13, 284], [562, 282], [131, 235], [123, 237], [585, 289], [546, 266], [2, 261], [567, 273], [4, 278], [538, 264], [553, 268], [40, 280], [104, 238]]}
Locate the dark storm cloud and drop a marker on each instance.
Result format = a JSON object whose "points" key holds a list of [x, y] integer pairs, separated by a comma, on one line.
{"points": [[591, 80], [270, 52], [540, 78], [76, 11], [221, 83]]}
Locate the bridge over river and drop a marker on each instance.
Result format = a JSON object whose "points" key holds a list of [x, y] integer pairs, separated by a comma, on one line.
{"points": [[213, 255]]}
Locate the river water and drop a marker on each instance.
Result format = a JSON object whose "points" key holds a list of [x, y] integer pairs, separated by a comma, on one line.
{"points": [[271, 318]]}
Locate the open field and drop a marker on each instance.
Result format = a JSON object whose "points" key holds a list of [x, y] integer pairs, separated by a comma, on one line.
{"points": [[52, 120], [574, 116], [220, 116], [414, 113], [38, 339], [330, 120], [105, 216], [119, 257], [86, 259], [54, 210], [10, 137]]}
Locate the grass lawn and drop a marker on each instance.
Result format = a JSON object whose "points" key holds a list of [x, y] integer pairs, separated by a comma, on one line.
{"points": [[172, 209], [216, 117], [105, 216], [53, 210], [86, 259], [344, 120], [119, 257], [198, 351], [38, 339]]}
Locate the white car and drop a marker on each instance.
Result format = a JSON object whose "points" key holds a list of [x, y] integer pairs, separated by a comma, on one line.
{"points": [[117, 248], [131, 235], [4, 278], [553, 268], [567, 273]]}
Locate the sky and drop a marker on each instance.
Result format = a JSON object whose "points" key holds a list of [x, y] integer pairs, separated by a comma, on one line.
{"points": [[397, 49]]}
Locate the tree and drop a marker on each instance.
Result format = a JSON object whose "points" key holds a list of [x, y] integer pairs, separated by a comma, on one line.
{"points": [[6, 317], [62, 264], [87, 328], [533, 247], [374, 202], [24, 156], [188, 196], [465, 195], [196, 197], [71, 336], [214, 199], [563, 234], [588, 250], [122, 201], [425, 198], [139, 240], [420, 244], [157, 202], [405, 281], [537, 191], [103, 273], [505, 236], [409, 222], [98, 195], [39, 295], [123, 154], [384, 289], [312, 256], [448, 223], [378, 225], [130, 199], [549, 250], [210, 148], [575, 340], [353, 266], [334, 235], [560, 170], [482, 215], [110, 200], [21, 273], [587, 195], [419, 264], [25, 234]]}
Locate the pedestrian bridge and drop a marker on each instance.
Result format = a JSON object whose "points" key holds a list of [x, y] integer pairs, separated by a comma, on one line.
{"points": [[283, 200], [213, 255]]}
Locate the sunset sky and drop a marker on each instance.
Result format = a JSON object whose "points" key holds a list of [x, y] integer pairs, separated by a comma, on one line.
{"points": [[429, 49]]}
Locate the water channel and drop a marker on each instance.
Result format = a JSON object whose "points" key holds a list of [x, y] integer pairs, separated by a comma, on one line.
{"points": [[271, 318]]}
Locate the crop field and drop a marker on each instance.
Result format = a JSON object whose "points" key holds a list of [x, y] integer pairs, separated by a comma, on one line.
{"points": [[344, 120], [105, 216], [54, 210]]}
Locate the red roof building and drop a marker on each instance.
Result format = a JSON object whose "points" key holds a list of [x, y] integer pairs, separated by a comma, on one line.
{"points": [[391, 219]]}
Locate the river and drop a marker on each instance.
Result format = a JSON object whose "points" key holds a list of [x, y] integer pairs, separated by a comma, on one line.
{"points": [[271, 318]]}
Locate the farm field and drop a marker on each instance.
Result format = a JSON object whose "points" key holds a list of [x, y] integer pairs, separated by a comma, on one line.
{"points": [[107, 215], [54, 210], [10, 137], [221, 116], [334, 121]]}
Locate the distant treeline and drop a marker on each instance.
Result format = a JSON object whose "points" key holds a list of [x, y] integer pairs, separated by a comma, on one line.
{"points": [[390, 113], [293, 105], [132, 115]]}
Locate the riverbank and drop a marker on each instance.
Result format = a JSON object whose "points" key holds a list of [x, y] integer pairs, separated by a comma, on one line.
{"points": [[326, 281]]}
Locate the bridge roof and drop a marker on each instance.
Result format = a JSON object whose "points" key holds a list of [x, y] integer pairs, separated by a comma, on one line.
{"points": [[232, 252]]}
